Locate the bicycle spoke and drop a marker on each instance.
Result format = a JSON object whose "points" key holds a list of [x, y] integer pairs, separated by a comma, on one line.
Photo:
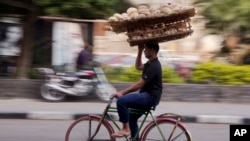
{"points": [[153, 133], [85, 129], [177, 136]]}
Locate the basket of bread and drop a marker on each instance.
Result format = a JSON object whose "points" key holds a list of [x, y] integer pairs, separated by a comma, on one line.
{"points": [[167, 22]]}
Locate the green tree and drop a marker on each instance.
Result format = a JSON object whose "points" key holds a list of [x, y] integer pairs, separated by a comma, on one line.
{"points": [[226, 16], [30, 10]]}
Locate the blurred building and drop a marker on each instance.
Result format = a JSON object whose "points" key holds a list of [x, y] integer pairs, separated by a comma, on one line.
{"points": [[10, 36], [57, 41], [10, 47], [67, 36]]}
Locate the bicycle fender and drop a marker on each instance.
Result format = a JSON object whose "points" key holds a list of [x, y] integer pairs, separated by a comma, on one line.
{"points": [[170, 115]]}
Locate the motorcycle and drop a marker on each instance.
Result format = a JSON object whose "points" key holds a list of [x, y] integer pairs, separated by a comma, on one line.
{"points": [[58, 86]]}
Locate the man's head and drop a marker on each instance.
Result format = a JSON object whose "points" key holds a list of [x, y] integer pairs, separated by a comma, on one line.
{"points": [[151, 49]]}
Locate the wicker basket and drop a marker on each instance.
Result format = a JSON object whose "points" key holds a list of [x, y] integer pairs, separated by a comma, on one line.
{"points": [[162, 28]]}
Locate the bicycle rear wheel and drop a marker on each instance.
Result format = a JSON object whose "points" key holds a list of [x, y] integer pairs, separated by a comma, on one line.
{"points": [[151, 132], [84, 128]]}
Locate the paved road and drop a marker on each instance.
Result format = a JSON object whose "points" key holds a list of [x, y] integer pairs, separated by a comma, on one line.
{"points": [[195, 112], [54, 130]]}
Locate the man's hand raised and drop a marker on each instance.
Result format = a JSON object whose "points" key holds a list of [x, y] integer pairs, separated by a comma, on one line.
{"points": [[141, 47]]}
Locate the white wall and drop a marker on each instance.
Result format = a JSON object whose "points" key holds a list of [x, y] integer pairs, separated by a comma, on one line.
{"points": [[68, 41]]}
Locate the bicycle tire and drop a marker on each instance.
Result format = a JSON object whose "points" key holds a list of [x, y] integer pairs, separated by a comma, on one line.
{"points": [[151, 132], [80, 129]]}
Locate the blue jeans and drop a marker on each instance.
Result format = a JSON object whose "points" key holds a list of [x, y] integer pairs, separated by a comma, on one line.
{"points": [[141, 101]]}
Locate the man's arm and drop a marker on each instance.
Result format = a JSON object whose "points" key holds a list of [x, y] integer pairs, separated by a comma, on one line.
{"points": [[138, 62], [136, 86]]}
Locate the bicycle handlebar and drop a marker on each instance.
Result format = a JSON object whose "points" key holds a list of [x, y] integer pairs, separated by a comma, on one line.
{"points": [[111, 98]]}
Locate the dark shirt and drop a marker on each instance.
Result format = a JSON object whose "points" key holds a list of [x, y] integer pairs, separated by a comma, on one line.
{"points": [[225, 50], [246, 59], [152, 74], [83, 58]]}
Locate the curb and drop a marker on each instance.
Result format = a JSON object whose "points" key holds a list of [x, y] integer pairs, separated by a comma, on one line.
{"points": [[43, 115]]}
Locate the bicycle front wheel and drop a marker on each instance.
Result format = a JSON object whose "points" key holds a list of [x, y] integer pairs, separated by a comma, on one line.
{"points": [[84, 128], [166, 131]]}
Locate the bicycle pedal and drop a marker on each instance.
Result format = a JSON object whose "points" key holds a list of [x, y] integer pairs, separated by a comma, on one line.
{"points": [[128, 138]]}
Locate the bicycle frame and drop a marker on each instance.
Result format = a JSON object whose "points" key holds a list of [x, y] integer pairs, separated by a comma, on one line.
{"points": [[146, 113]]}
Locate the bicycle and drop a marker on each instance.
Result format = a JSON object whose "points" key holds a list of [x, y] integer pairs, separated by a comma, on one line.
{"points": [[99, 128]]}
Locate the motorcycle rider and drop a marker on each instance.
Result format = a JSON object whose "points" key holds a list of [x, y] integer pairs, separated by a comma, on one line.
{"points": [[84, 58]]}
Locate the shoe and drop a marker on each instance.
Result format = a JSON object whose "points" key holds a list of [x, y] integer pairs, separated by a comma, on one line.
{"points": [[120, 134]]}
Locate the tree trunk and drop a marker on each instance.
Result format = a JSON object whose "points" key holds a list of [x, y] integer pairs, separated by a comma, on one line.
{"points": [[25, 59]]}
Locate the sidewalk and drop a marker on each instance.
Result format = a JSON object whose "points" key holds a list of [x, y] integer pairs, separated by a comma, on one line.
{"points": [[228, 113]]}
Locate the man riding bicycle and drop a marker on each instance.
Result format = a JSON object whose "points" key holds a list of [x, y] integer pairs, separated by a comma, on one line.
{"points": [[150, 86]]}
